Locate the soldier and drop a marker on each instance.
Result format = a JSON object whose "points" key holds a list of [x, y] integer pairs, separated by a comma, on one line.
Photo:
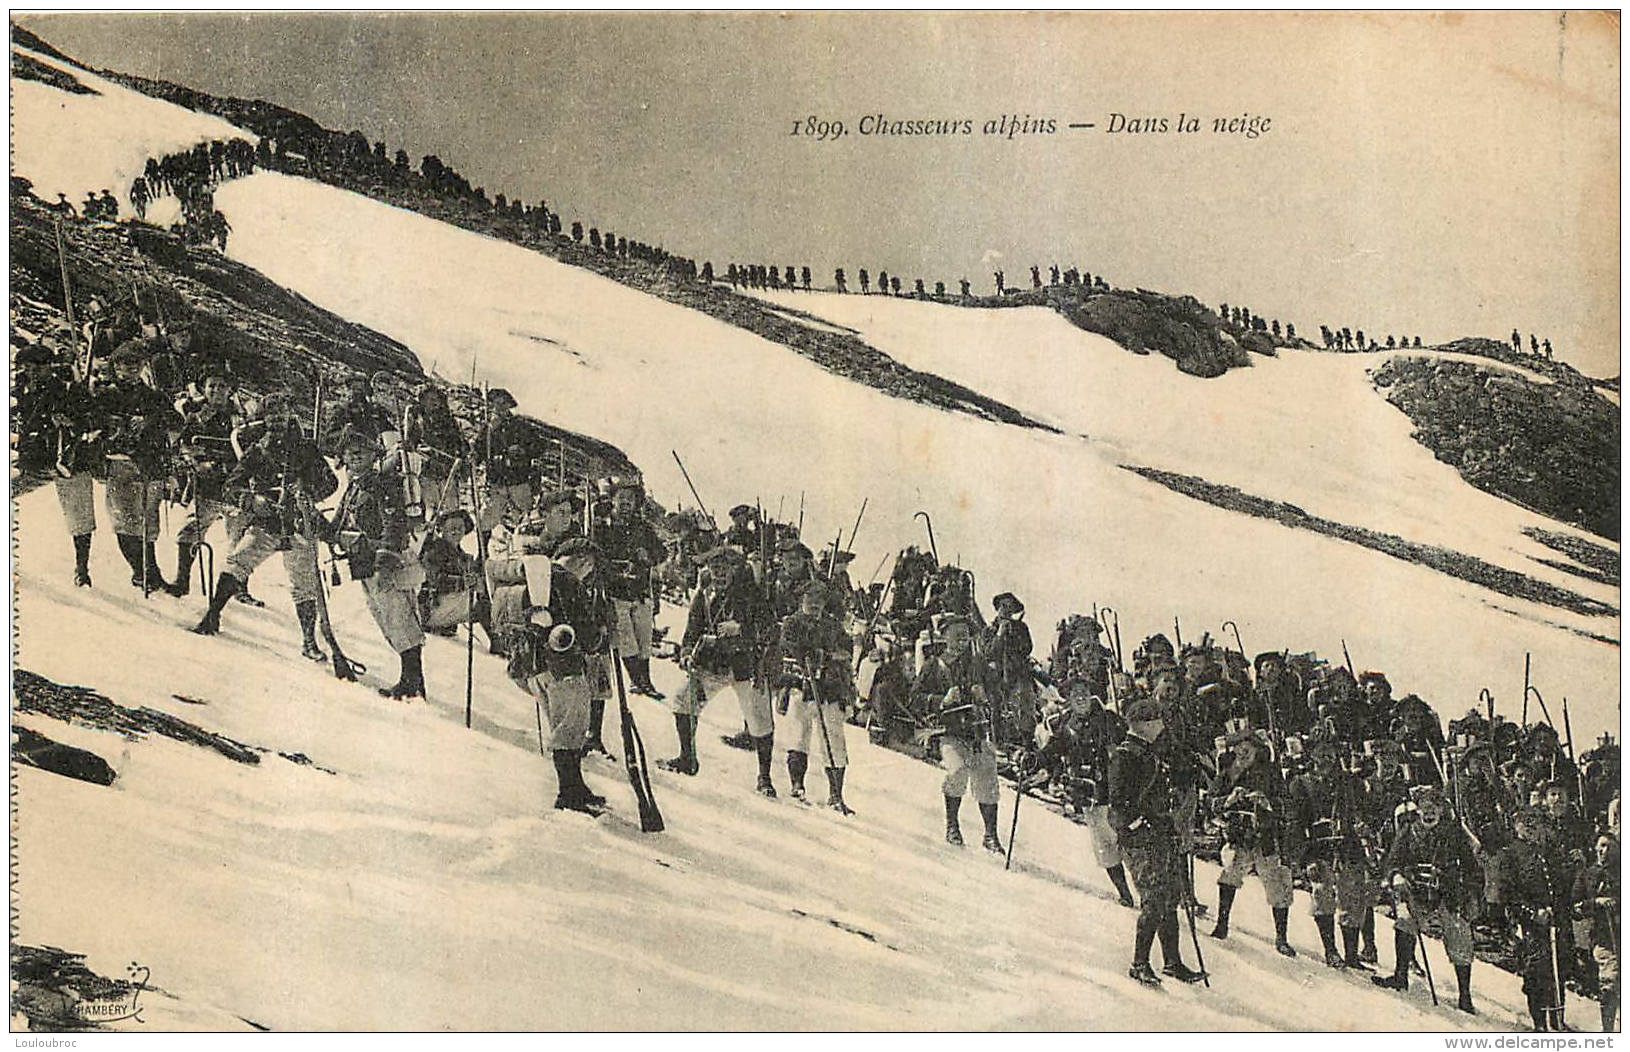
{"points": [[1325, 809], [1140, 812], [1250, 799], [1596, 917], [57, 434], [370, 526], [547, 660], [952, 688], [455, 592], [632, 548], [1275, 690], [726, 631], [506, 446], [432, 432], [1074, 748], [278, 462], [208, 458], [140, 426], [1432, 874], [818, 650], [1007, 647]]}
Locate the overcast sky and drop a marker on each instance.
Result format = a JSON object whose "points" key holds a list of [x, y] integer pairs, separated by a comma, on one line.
{"points": [[1435, 175]]}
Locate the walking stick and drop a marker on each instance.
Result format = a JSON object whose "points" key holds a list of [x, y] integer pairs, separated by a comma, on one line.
{"points": [[1177, 630], [1013, 828], [1194, 933], [1350, 670], [931, 545], [800, 513], [537, 707], [820, 717], [141, 479]]}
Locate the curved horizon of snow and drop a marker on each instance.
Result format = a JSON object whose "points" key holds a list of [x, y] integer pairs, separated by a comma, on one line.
{"points": [[46, 120], [1305, 427], [427, 884]]}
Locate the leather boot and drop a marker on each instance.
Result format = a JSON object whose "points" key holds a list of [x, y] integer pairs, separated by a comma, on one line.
{"points": [[685, 762], [1117, 877], [990, 842], [1171, 951], [1349, 940], [953, 836], [183, 570], [597, 718], [1327, 935], [226, 586], [1143, 941], [765, 748], [834, 796], [82, 560], [306, 611], [1463, 976], [1225, 904], [573, 794], [411, 682], [130, 548], [1403, 952], [1281, 918], [797, 766]]}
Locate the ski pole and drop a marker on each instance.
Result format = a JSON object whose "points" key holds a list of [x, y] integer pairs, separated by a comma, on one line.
{"points": [[698, 496]]}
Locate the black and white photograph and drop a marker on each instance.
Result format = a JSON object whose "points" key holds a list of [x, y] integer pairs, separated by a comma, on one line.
{"points": [[815, 522]]}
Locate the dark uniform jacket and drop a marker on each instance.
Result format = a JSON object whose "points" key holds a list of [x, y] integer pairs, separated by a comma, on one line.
{"points": [[1597, 882], [369, 520], [1438, 863], [206, 443], [1254, 818], [434, 429], [631, 550], [137, 422], [739, 600], [260, 482], [570, 603], [514, 445], [1140, 794], [41, 442], [818, 644], [1324, 818], [957, 693], [1079, 752]]}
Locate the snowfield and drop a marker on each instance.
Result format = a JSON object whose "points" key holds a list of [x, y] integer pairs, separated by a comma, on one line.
{"points": [[427, 884]]}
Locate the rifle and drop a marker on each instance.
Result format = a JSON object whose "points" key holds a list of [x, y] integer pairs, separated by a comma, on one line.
{"points": [[81, 367], [639, 775]]}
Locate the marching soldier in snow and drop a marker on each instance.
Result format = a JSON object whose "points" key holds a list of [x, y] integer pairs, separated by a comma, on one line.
{"points": [[1596, 917], [279, 465], [431, 432], [455, 592], [952, 687], [58, 430], [1075, 747], [632, 548], [1522, 881], [1007, 646], [1432, 873], [507, 447], [792, 576], [1326, 839], [371, 527], [140, 426], [726, 631], [547, 659], [360, 412], [207, 457], [1250, 800], [1140, 812], [818, 651], [1276, 692]]}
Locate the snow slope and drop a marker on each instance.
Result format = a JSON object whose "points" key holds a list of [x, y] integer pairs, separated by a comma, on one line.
{"points": [[426, 884], [56, 136]]}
